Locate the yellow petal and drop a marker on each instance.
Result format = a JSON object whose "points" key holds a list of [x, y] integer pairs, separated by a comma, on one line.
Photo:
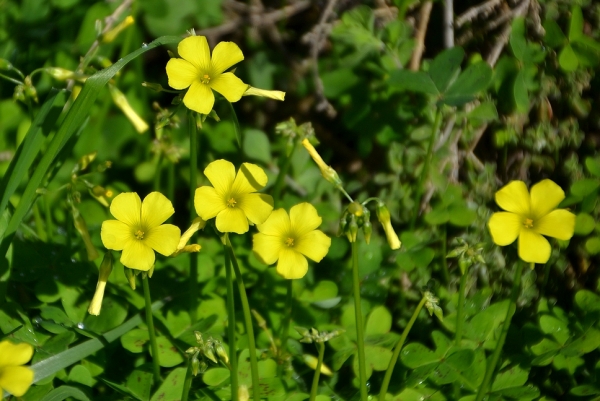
{"points": [[199, 98], [557, 224], [232, 220], [505, 227], [195, 50], [392, 238], [96, 304], [224, 55], [137, 255], [250, 178], [231, 87], [156, 209], [221, 174], [304, 218], [16, 379], [313, 245], [14, 354], [163, 239], [181, 73], [115, 234], [533, 248], [545, 196], [277, 225], [127, 207], [208, 203], [292, 264], [266, 248], [277, 95], [514, 198], [257, 207]]}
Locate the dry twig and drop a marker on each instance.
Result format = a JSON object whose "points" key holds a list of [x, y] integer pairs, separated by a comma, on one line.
{"points": [[420, 38]]}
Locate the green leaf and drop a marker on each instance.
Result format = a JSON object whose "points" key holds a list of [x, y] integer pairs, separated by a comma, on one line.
{"points": [[585, 187], [215, 376], [379, 321], [415, 81], [257, 145], [568, 59], [586, 343], [592, 245], [593, 165], [518, 43], [585, 390], [338, 81], [512, 377], [324, 290], [520, 94], [555, 327], [554, 36], [587, 301], [168, 355], [445, 67], [483, 325], [139, 382], [64, 392], [415, 355], [437, 216], [485, 112], [135, 340], [576, 24], [469, 83], [114, 313], [171, 388], [584, 224], [462, 216]]}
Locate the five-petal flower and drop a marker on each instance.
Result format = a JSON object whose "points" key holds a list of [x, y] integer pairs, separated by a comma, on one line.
{"points": [[203, 73], [15, 378], [233, 198], [288, 240], [138, 230], [530, 216]]}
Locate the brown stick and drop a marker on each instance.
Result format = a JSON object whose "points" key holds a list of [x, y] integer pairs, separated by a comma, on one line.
{"points": [[424, 14]]}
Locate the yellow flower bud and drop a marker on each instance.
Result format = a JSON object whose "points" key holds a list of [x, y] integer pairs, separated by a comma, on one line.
{"points": [[197, 224], [312, 362], [59, 73], [104, 273], [130, 275], [328, 173], [383, 214], [252, 91], [243, 394], [123, 104], [113, 33]]}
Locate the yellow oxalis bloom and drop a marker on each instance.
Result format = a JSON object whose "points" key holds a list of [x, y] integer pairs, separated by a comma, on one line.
{"points": [[233, 198], [529, 217], [203, 73], [15, 378], [138, 230], [288, 240]]}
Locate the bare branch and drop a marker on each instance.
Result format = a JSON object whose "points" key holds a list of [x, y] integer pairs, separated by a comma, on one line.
{"points": [[473, 12], [420, 38], [448, 24]]}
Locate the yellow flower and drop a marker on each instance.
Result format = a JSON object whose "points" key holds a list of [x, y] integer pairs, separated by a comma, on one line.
{"points": [[232, 198], [138, 230], [529, 216], [203, 73], [290, 239], [14, 378]]}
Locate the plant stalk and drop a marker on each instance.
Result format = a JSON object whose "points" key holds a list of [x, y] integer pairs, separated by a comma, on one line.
{"points": [[460, 309], [187, 384], [315, 383], [151, 332], [231, 322], [360, 338], [491, 367], [193, 282], [398, 348], [283, 169]]}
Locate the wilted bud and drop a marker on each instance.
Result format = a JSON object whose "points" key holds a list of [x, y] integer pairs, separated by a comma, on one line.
{"points": [[130, 276], [195, 364], [277, 95], [123, 104], [383, 215], [312, 362], [208, 352], [328, 173], [104, 273], [113, 33], [432, 305]]}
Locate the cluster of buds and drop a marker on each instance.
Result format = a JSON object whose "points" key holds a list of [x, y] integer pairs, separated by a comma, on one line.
{"points": [[25, 91], [314, 336], [294, 132], [431, 303], [467, 254], [355, 217], [209, 349], [103, 274]]}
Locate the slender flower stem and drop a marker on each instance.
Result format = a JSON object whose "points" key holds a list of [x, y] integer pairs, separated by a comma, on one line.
{"points": [[285, 325], [360, 338], [397, 349], [193, 286], [283, 169], [545, 279], [171, 180], [248, 323], [460, 309], [187, 384], [39, 225], [157, 173], [231, 322], [493, 361], [445, 272], [426, 163], [48, 217], [315, 383], [150, 324]]}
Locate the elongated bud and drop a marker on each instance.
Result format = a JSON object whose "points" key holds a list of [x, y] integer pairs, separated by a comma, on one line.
{"points": [[197, 224], [84, 161], [153, 86], [223, 355], [277, 95], [328, 173], [5, 64], [367, 230], [383, 215], [195, 364], [130, 275], [113, 33], [104, 272], [352, 230], [209, 353], [81, 227], [243, 394], [312, 362], [122, 103]]}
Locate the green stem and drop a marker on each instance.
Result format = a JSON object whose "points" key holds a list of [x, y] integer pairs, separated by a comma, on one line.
{"points": [[193, 283], [150, 324], [315, 383], [445, 272], [545, 279], [248, 323], [491, 366], [187, 384], [283, 169], [460, 309], [171, 180], [48, 217], [397, 349], [39, 225], [359, 325], [285, 326], [426, 163], [157, 173], [231, 323]]}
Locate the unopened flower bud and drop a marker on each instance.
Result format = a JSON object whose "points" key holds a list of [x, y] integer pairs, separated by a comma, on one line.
{"points": [[312, 362], [195, 364], [367, 230], [103, 274], [209, 353], [5, 64], [123, 104], [328, 173], [223, 355], [59, 73], [197, 224], [130, 275], [383, 215], [352, 230], [81, 227], [19, 93], [113, 33], [343, 225], [153, 86], [243, 394], [277, 95]]}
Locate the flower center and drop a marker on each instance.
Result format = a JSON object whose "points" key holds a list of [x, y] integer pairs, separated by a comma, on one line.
{"points": [[205, 79], [289, 242], [528, 223], [139, 234], [231, 202]]}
